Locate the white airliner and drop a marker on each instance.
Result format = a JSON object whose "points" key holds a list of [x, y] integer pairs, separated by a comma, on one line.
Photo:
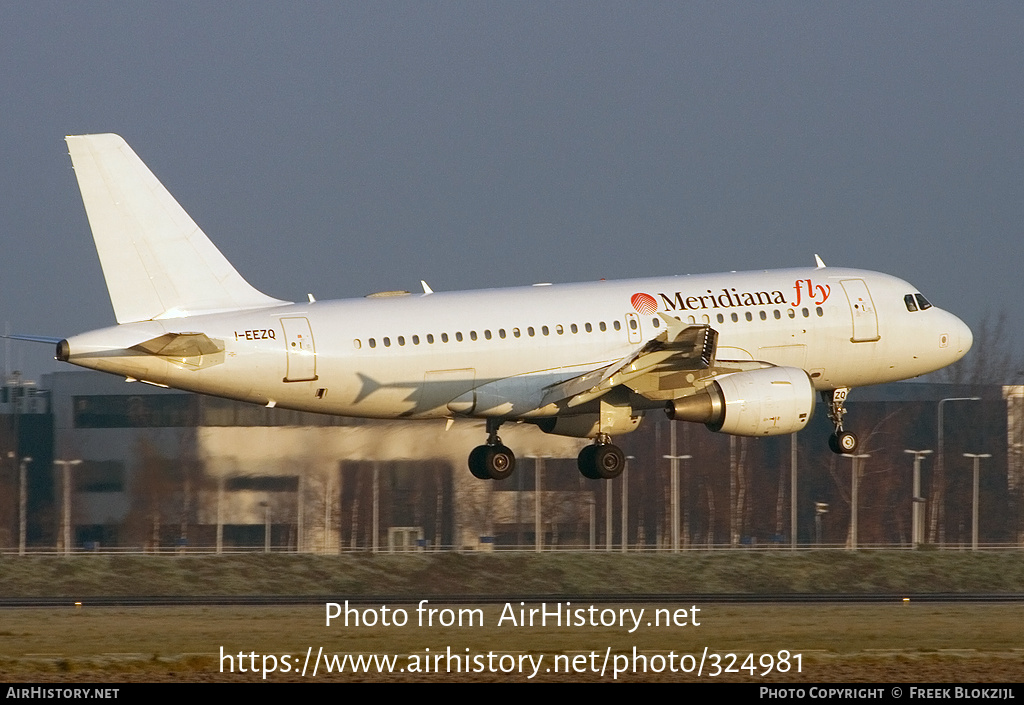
{"points": [[744, 353]]}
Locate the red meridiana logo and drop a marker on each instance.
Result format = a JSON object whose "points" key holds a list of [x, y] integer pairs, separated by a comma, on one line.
{"points": [[643, 303]]}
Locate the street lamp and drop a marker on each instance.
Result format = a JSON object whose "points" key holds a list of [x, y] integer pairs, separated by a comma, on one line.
{"points": [[22, 500], [916, 515], [674, 489], [67, 465], [939, 486], [820, 508], [266, 526], [538, 476], [625, 504], [854, 486], [974, 511]]}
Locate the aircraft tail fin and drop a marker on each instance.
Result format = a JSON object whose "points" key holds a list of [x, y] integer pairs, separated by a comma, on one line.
{"points": [[156, 261]]}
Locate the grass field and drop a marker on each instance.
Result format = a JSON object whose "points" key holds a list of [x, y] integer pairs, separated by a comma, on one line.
{"points": [[869, 643], [426, 574], [894, 641]]}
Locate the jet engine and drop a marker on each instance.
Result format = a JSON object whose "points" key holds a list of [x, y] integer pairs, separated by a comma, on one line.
{"points": [[769, 402]]}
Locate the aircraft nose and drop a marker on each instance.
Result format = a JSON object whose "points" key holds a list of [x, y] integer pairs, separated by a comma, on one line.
{"points": [[961, 337]]}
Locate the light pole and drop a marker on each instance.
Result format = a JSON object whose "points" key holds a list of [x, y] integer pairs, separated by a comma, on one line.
{"points": [[792, 491], [266, 526], [916, 514], [625, 504], [820, 508], [22, 501], [674, 489], [608, 497], [939, 485], [66, 465], [538, 476], [854, 487], [974, 511]]}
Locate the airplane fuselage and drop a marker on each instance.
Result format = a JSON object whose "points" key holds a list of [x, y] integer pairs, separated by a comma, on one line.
{"points": [[413, 355]]}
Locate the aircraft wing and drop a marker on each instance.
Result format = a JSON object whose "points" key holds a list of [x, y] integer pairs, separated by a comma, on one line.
{"points": [[679, 348]]}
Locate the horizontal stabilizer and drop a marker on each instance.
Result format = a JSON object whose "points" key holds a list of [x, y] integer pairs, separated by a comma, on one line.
{"points": [[33, 338], [155, 259]]}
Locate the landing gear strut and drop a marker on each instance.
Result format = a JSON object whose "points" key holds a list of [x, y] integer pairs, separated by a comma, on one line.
{"points": [[840, 441], [493, 461], [601, 461]]}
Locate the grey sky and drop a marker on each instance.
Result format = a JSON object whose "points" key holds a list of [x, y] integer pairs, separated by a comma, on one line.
{"points": [[340, 148]]}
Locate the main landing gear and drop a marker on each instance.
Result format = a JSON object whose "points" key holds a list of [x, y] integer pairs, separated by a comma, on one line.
{"points": [[601, 461], [493, 461], [840, 441]]}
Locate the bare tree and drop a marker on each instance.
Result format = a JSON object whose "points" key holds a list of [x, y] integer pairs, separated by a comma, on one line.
{"points": [[993, 359]]}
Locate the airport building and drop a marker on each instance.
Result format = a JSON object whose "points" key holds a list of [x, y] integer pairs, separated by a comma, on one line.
{"points": [[130, 466]]}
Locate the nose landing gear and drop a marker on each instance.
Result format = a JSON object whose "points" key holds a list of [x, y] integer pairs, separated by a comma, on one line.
{"points": [[842, 442]]}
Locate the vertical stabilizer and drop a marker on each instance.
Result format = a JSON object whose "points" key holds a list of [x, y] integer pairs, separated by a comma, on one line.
{"points": [[155, 259]]}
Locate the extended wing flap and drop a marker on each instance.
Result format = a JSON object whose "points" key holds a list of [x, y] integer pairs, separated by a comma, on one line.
{"points": [[680, 347]]}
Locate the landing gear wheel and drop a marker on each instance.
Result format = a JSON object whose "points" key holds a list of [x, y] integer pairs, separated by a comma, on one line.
{"points": [[585, 463], [843, 442], [476, 463], [601, 462], [495, 462]]}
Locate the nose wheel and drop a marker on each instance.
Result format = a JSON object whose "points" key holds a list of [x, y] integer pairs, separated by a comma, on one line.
{"points": [[842, 442]]}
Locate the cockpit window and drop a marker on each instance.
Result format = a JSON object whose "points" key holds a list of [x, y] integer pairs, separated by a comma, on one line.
{"points": [[909, 301], [922, 302]]}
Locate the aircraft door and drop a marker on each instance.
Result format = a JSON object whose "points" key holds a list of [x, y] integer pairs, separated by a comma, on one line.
{"points": [[298, 340], [633, 328], [865, 319]]}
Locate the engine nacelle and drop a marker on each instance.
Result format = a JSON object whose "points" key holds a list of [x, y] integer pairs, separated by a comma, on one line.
{"points": [[769, 402]]}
